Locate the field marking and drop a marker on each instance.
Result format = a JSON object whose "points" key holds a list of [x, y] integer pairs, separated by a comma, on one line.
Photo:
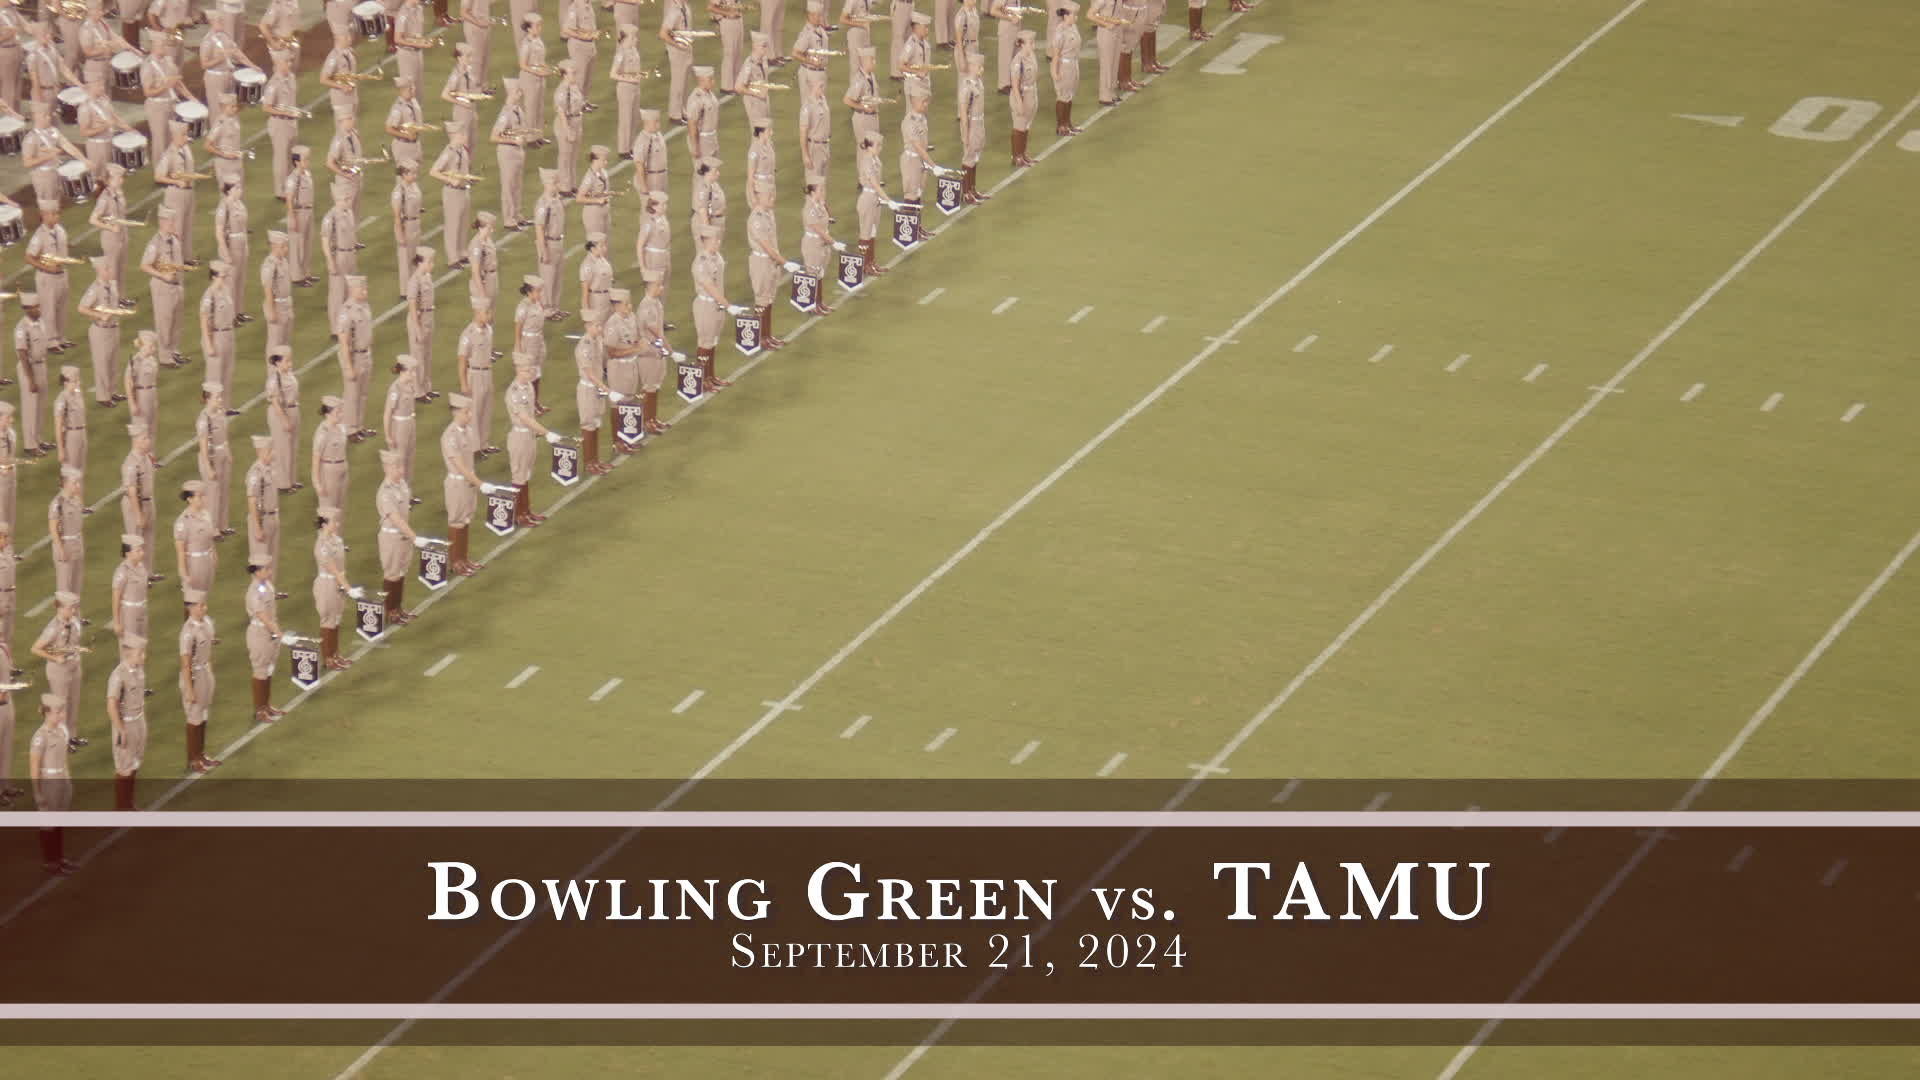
{"points": [[1078, 315], [1459, 362], [1538, 370], [1286, 792], [1716, 121], [1208, 769], [520, 680], [1833, 873], [1720, 763], [1021, 755], [688, 702], [606, 688], [940, 740], [442, 664], [1305, 342], [366, 221], [1005, 304], [1739, 859], [782, 707], [1384, 352], [1112, 764], [40, 608], [932, 296], [1693, 391], [1772, 402], [1153, 324], [1379, 801], [1232, 59], [854, 728], [1855, 410]]}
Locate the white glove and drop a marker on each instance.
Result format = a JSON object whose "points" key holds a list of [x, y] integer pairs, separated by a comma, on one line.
{"points": [[839, 245], [679, 357], [420, 542], [737, 309], [793, 267], [553, 438], [488, 488], [356, 592], [616, 396], [289, 637]]}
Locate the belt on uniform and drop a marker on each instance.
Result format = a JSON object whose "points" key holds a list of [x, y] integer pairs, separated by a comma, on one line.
{"points": [[333, 461], [661, 250], [409, 416], [133, 603], [198, 554], [517, 430], [128, 719], [65, 536], [143, 387], [390, 529], [471, 367]]}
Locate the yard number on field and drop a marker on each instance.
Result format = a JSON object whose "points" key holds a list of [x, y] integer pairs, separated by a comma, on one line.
{"points": [[1233, 59], [1833, 119]]}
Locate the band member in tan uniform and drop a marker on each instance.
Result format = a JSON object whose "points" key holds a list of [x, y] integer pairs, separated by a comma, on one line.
{"points": [[654, 243], [511, 136], [709, 198], [816, 131], [916, 56], [225, 155], [30, 356], [620, 345], [215, 456], [483, 260], [281, 103], [873, 192], [331, 589], [127, 717], [650, 163], [816, 240], [762, 165], [812, 47], [52, 778], [298, 195], [858, 17], [356, 356], [1006, 17], [773, 27], [525, 425], [9, 601], [651, 317], [263, 633], [420, 291], [103, 309], [590, 396], [529, 332], [863, 96], [703, 116], [283, 420], [594, 194], [217, 321], [276, 290], [165, 266], [477, 24], [196, 679], [727, 16], [462, 487], [900, 15], [916, 155], [64, 532], [751, 81], [473, 358], [230, 235], [577, 27], [397, 415], [973, 124], [454, 169], [109, 217], [676, 28], [339, 245], [45, 250], [764, 265], [569, 124], [465, 87], [131, 582], [137, 505], [193, 538], [534, 73], [174, 170], [329, 459], [710, 307], [628, 73], [393, 502], [550, 237], [59, 644], [409, 34], [1025, 99], [263, 502], [406, 203], [1064, 67], [98, 123], [70, 420]]}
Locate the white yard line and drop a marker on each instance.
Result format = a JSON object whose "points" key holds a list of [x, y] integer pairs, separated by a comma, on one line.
{"points": [[40, 608], [442, 664], [940, 740], [1153, 324], [932, 296], [1003, 305], [1383, 352], [1078, 315], [1020, 756], [1112, 764], [1538, 370], [606, 688], [1854, 410], [854, 728], [1306, 343], [1720, 763], [520, 680], [1458, 363], [688, 702], [1772, 402], [1693, 391]]}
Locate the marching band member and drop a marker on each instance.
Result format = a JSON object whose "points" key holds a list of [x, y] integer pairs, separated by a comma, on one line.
{"points": [[816, 129], [339, 246], [230, 244], [534, 73], [916, 157], [100, 305], [973, 124], [407, 29], [863, 96], [98, 121], [594, 193], [47, 254], [873, 192], [137, 509], [339, 73], [473, 362], [655, 243], [405, 121], [465, 85], [811, 47], [127, 714], [419, 289], [42, 150], [550, 237], [346, 158], [676, 29], [650, 164], [131, 583], [816, 242], [142, 385], [621, 348], [1024, 102], [1064, 68], [1006, 15], [458, 444], [523, 416], [703, 116], [196, 679], [709, 198], [276, 290], [299, 195], [454, 169], [60, 646], [397, 415], [764, 264], [751, 81], [215, 456], [761, 163], [916, 57], [710, 307], [30, 346], [356, 355], [592, 393], [109, 219], [596, 279], [727, 15], [51, 777], [530, 335], [330, 585], [64, 532], [283, 420], [263, 503], [577, 27], [628, 73], [569, 123], [220, 50], [405, 204], [1195, 29], [858, 17], [511, 136], [483, 260], [476, 22], [195, 559], [651, 317], [328, 465], [280, 102], [263, 632], [174, 171]]}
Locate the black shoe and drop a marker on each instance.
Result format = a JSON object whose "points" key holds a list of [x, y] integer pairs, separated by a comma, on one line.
{"points": [[233, 412], [76, 743], [243, 317], [155, 579]]}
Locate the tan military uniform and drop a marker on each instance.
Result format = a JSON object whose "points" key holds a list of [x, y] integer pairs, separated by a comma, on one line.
{"points": [[513, 162], [103, 338], [703, 124], [137, 517], [177, 162], [476, 355], [216, 464], [406, 203], [193, 533], [168, 291], [51, 240], [30, 355], [626, 66], [595, 217], [356, 361], [550, 215], [329, 592], [276, 287], [264, 497], [217, 319], [70, 563], [127, 690], [762, 271], [263, 648], [112, 203], [299, 194], [577, 15], [676, 16], [397, 420], [282, 92], [60, 637], [596, 282], [709, 318], [70, 423], [900, 19], [130, 584], [520, 437], [339, 232], [330, 480], [230, 234], [420, 327], [406, 149], [654, 245], [283, 423], [455, 201], [196, 682], [224, 135], [143, 386], [458, 444], [650, 161]]}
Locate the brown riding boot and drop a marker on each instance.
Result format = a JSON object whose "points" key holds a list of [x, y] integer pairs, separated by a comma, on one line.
{"points": [[1195, 31], [539, 409], [263, 710], [523, 509], [870, 267], [197, 759], [766, 330], [123, 792], [330, 657], [1066, 119], [462, 563], [649, 412], [396, 596], [709, 381]]}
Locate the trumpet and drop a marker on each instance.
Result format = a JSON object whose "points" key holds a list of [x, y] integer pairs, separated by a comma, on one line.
{"points": [[416, 129], [825, 52], [63, 260], [646, 73], [9, 295], [67, 9], [1016, 10], [463, 180], [524, 133]]}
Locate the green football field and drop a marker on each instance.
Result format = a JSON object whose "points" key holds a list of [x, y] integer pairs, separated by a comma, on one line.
{"points": [[1489, 389]]}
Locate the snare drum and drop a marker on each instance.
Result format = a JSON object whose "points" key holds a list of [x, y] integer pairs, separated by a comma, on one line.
{"points": [[126, 70], [13, 225], [69, 101], [12, 131], [249, 85], [76, 179], [370, 18], [194, 115], [130, 150]]}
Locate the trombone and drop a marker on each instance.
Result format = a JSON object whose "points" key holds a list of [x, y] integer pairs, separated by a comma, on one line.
{"points": [[125, 223], [289, 112], [361, 76], [62, 260], [415, 129], [764, 86]]}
